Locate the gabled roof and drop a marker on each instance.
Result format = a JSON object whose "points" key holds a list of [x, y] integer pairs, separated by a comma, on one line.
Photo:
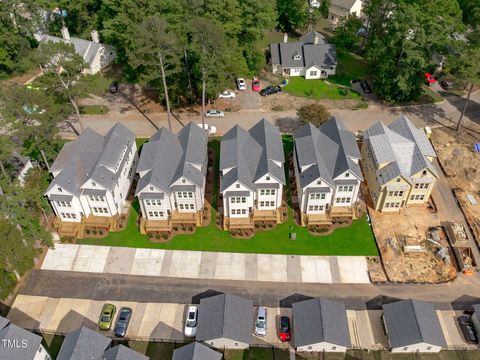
{"points": [[411, 322], [327, 152], [83, 344], [225, 316], [320, 320], [168, 157], [343, 4], [196, 351], [91, 156], [85, 48], [304, 53], [13, 333], [251, 155], [402, 146], [121, 352]]}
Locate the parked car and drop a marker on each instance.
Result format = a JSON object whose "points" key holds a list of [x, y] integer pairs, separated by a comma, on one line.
{"points": [[269, 90], [214, 113], [113, 87], [122, 322], [469, 311], [106, 317], [226, 95], [261, 322], [467, 329], [365, 87], [241, 85], [446, 85], [212, 130], [255, 84], [191, 321], [429, 79], [285, 331]]}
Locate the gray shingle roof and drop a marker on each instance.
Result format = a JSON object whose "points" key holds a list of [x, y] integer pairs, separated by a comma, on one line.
{"points": [[252, 154], [344, 4], [225, 316], [13, 333], [321, 54], [411, 322], [83, 344], [168, 157], [320, 320], [196, 351], [327, 151], [121, 352], [402, 146], [85, 48], [91, 156], [476, 309]]}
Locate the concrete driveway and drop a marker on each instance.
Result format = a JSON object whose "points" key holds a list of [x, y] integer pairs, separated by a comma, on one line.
{"points": [[208, 265]]}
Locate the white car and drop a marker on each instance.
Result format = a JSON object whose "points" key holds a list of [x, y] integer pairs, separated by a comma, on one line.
{"points": [[212, 130], [227, 95], [214, 113], [191, 321], [261, 321], [241, 84]]}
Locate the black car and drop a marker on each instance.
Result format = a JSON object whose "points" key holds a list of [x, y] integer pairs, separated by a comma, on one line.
{"points": [[365, 86], [123, 321], [446, 85], [113, 87], [467, 330], [269, 90]]}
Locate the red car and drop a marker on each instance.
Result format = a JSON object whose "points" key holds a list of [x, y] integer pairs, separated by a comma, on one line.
{"points": [[285, 332], [430, 79], [255, 84]]}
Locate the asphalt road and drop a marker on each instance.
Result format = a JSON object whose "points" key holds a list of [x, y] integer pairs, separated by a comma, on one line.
{"points": [[459, 294]]}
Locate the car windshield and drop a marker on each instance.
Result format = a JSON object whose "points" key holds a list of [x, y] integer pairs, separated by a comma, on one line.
{"points": [[105, 318], [284, 324]]}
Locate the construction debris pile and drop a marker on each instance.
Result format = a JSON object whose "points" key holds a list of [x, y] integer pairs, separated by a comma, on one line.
{"points": [[461, 248]]}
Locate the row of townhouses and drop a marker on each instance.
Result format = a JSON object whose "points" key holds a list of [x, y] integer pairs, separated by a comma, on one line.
{"points": [[93, 175]]}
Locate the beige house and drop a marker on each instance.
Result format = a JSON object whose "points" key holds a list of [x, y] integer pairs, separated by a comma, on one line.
{"points": [[397, 163]]}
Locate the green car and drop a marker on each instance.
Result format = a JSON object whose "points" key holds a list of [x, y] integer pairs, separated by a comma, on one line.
{"points": [[106, 317]]}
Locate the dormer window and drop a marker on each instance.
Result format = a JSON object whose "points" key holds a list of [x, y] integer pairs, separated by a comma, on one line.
{"points": [[297, 57]]}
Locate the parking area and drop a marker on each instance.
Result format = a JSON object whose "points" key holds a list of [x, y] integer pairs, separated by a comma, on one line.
{"points": [[208, 265]]}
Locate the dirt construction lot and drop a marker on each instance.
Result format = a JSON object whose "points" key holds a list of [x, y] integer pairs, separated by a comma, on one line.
{"points": [[462, 168], [411, 228]]}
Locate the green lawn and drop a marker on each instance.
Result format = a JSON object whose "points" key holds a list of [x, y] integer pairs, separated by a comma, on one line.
{"points": [[354, 240], [93, 109], [97, 84], [318, 89], [350, 66]]}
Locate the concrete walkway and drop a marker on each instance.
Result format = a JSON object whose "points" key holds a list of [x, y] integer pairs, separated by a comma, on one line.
{"points": [[166, 321], [208, 265]]}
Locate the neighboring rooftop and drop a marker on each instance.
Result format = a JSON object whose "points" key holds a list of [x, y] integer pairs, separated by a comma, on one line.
{"points": [[196, 351], [11, 333], [225, 316], [92, 156], [168, 157], [326, 152], [312, 49], [411, 322], [83, 344], [246, 156], [121, 352], [401, 146], [320, 320]]}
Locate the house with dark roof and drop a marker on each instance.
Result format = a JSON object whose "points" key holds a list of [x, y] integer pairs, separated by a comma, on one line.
{"points": [[92, 176], [311, 57], [327, 172], [413, 326], [84, 343], [475, 317], [225, 321], [320, 325], [252, 175], [19, 344], [397, 161], [196, 351], [96, 55], [172, 169]]}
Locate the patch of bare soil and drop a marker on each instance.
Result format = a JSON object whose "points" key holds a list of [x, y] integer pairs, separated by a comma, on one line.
{"points": [[462, 168], [406, 251]]}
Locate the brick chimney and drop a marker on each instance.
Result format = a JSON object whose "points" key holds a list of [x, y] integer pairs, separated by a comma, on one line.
{"points": [[65, 33], [94, 35], [285, 37]]}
